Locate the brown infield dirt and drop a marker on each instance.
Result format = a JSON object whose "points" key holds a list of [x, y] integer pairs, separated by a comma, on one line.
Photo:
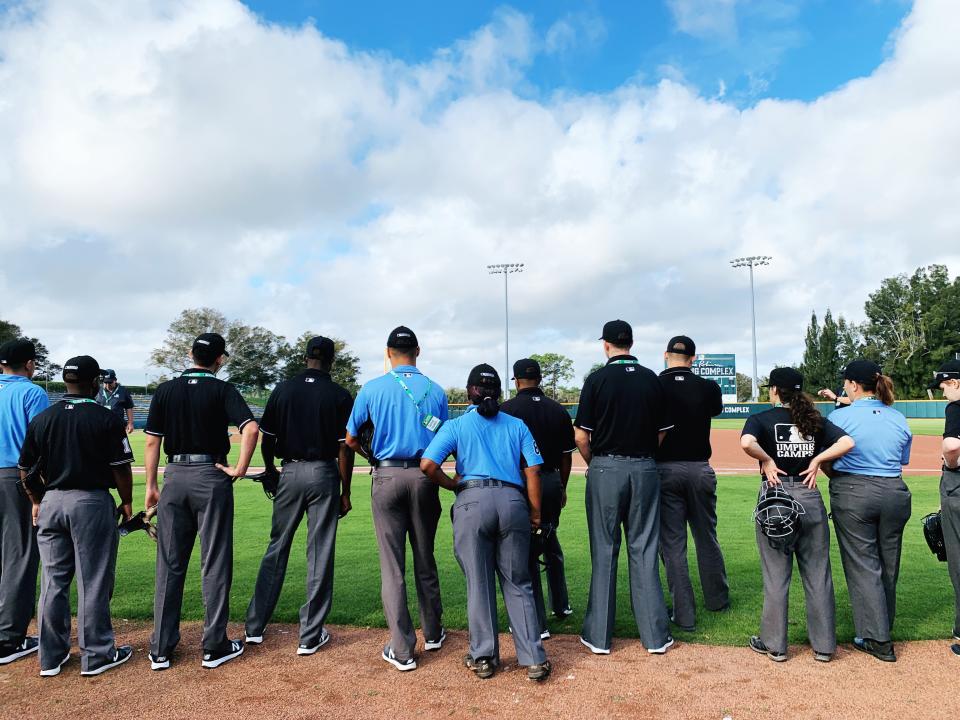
{"points": [[347, 679]]}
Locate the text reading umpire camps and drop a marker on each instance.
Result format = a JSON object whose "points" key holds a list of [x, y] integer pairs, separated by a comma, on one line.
{"points": [[191, 414]]}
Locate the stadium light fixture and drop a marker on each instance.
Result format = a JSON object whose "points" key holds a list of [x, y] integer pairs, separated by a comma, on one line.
{"points": [[752, 261], [505, 269]]}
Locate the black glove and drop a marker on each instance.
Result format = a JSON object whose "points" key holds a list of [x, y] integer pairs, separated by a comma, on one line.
{"points": [[270, 482], [140, 521]]}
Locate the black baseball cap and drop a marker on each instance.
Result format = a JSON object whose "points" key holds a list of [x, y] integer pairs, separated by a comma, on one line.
{"points": [[213, 342], [786, 378], [950, 370], [618, 332], [402, 338], [82, 368], [17, 352], [320, 348], [682, 345], [484, 376], [109, 375], [862, 371], [526, 369]]}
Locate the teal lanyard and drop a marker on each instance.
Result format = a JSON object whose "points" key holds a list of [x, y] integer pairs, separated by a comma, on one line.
{"points": [[80, 401], [108, 398], [410, 394], [195, 374], [625, 362]]}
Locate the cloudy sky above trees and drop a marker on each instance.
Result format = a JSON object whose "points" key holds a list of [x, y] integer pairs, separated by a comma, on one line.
{"points": [[157, 155]]}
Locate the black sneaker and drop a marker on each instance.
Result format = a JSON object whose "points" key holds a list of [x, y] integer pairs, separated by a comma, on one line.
{"points": [[685, 628], [482, 667], [159, 662], [402, 665], [756, 644], [55, 670], [565, 613], [539, 672], [435, 644], [120, 656], [880, 650], [955, 649], [311, 648], [9, 653], [233, 648]]}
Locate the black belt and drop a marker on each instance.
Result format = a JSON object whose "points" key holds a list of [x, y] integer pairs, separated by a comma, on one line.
{"points": [[404, 463], [793, 478], [486, 483], [951, 470], [646, 456], [287, 461], [188, 459]]}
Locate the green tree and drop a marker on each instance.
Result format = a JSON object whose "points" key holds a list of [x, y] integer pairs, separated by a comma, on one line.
{"points": [[556, 370], [850, 341], [744, 387], [346, 364], [456, 396], [174, 354], [254, 357], [593, 369], [9, 331], [46, 369]]}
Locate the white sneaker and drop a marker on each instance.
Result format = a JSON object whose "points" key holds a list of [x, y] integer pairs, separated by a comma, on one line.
{"points": [[253, 639], [661, 650], [159, 662], [391, 658], [545, 635], [311, 649], [593, 648], [55, 670], [435, 644]]}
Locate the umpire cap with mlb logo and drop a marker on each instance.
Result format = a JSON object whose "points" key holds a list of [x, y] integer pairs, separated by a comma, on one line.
{"points": [[320, 348], [211, 342], [618, 332], [682, 345], [526, 369], [82, 368], [17, 352], [402, 338]]}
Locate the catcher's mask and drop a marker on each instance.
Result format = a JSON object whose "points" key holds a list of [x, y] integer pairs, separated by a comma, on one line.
{"points": [[778, 515], [933, 534]]}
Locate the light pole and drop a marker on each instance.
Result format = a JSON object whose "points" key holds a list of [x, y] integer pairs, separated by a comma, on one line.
{"points": [[751, 262], [505, 269]]}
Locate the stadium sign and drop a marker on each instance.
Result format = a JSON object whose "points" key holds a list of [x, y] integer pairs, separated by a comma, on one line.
{"points": [[722, 369]]}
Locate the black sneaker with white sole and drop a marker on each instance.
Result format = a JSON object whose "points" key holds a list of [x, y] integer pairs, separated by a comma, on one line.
{"points": [[159, 662], [311, 648], [55, 670], [253, 639], [224, 654], [435, 644], [9, 653], [539, 672], [401, 665], [565, 613], [482, 667], [120, 656], [756, 644]]}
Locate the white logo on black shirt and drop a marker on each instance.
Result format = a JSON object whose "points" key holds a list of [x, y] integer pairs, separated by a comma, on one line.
{"points": [[630, 368], [536, 398], [790, 443], [191, 382], [310, 379], [679, 378]]}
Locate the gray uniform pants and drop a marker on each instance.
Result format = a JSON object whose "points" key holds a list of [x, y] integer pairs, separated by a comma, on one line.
{"points": [[813, 560], [551, 497], [312, 488], [18, 559], [688, 494], [624, 491], [950, 520], [869, 514], [491, 535], [77, 535], [405, 502], [195, 499]]}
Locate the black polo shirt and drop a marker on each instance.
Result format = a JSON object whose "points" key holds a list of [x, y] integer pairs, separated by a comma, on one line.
{"points": [[118, 401], [951, 425], [623, 407], [694, 401], [76, 442], [548, 422], [782, 441], [308, 415], [192, 413]]}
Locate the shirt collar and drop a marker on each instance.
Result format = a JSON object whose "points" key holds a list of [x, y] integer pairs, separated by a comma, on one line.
{"points": [[406, 369], [74, 396], [530, 391], [866, 400], [13, 378], [674, 370], [316, 372], [198, 370], [620, 357]]}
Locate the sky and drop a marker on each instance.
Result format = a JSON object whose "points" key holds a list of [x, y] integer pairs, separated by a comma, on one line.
{"points": [[349, 167]]}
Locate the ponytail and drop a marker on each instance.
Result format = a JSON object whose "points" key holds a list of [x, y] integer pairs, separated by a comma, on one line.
{"points": [[883, 389], [803, 413], [488, 407], [487, 399]]}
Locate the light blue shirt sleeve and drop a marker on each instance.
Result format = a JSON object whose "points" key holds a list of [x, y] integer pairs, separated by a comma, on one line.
{"points": [[444, 413], [531, 453], [443, 444], [35, 403], [905, 452], [360, 413]]}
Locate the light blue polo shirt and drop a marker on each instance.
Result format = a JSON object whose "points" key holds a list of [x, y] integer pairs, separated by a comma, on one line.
{"points": [[882, 436], [20, 402], [398, 430], [486, 447]]}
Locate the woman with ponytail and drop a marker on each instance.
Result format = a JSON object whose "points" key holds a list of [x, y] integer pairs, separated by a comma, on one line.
{"points": [[492, 521], [791, 441], [871, 504]]}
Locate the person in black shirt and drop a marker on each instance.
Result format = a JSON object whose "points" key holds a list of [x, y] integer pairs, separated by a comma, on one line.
{"points": [[117, 398], [82, 452], [190, 415], [552, 430], [688, 486], [620, 419], [305, 423], [947, 378], [791, 442]]}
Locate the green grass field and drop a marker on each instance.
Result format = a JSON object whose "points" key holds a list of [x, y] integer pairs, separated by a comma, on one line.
{"points": [[925, 608], [919, 426]]}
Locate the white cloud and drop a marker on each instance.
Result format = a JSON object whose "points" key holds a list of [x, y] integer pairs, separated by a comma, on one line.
{"points": [[158, 155], [705, 18]]}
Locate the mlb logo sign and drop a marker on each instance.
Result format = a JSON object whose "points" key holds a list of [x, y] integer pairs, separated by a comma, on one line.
{"points": [[191, 382], [788, 433]]}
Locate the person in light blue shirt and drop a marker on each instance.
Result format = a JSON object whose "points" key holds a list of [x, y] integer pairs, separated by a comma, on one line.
{"points": [[405, 409], [871, 504], [492, 521], [20, 402]]}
